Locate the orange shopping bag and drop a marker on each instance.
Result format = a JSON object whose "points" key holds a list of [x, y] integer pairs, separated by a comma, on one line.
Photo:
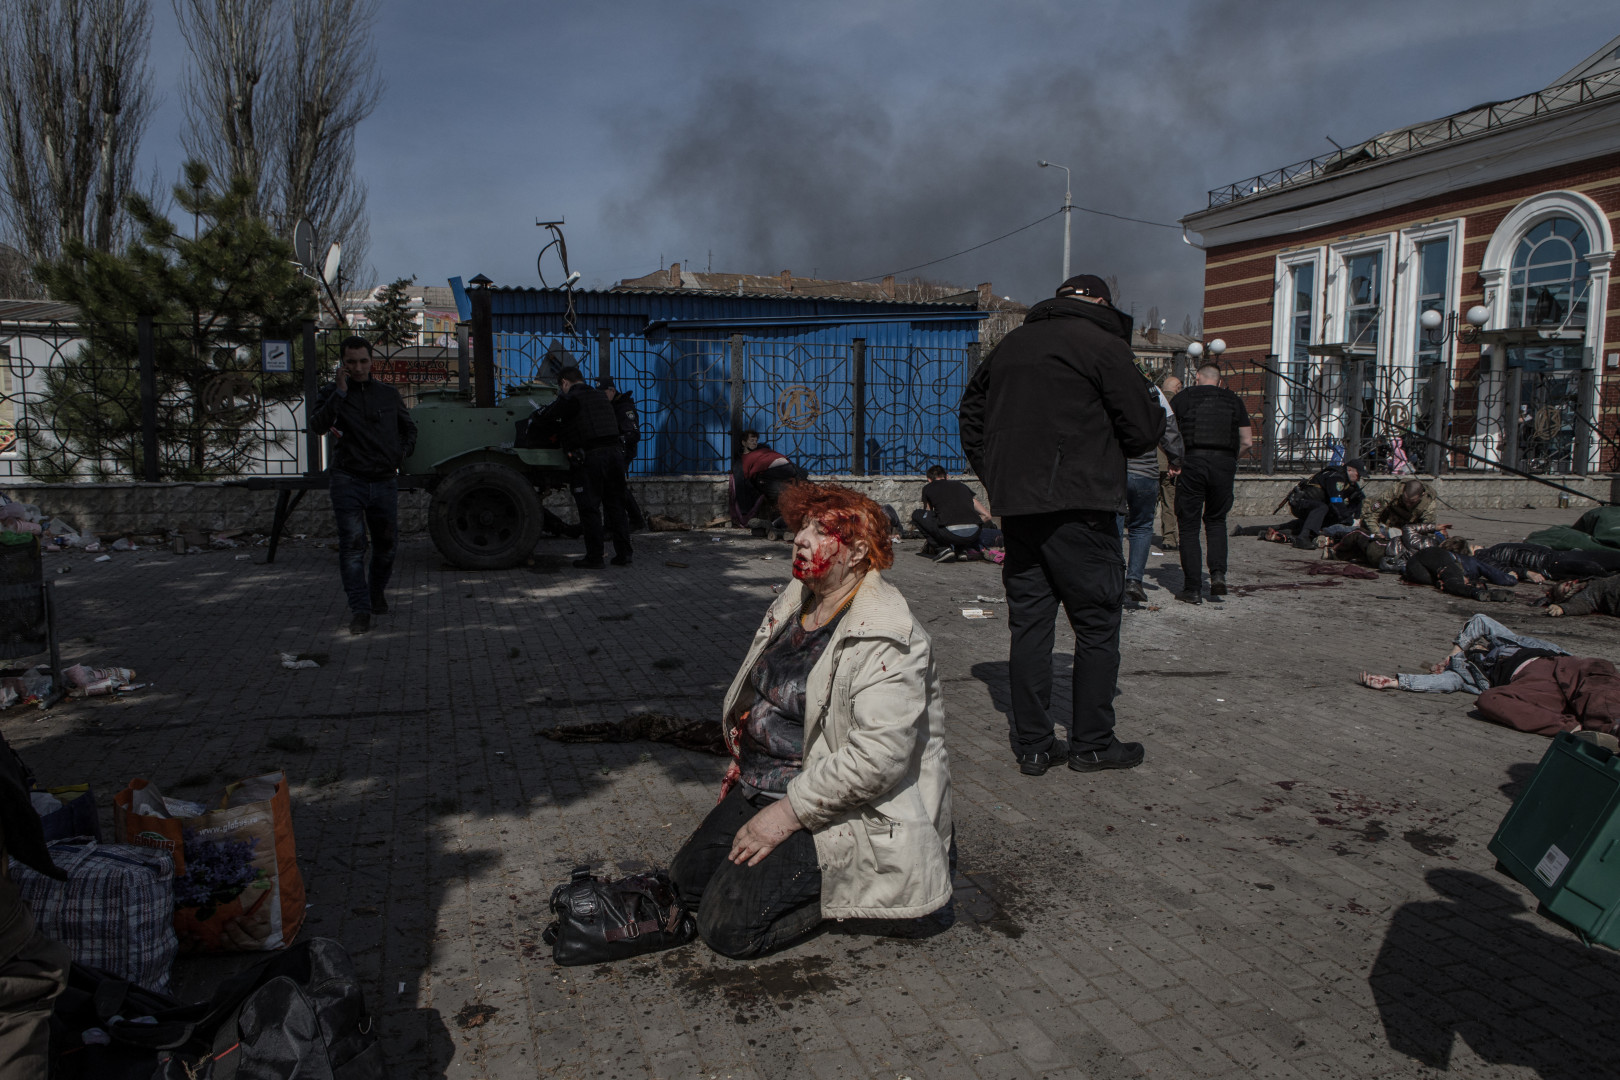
{"points": [[237, 887]]}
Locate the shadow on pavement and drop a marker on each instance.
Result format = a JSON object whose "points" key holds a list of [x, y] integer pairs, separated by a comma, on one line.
{"points": [[1469, 965]]}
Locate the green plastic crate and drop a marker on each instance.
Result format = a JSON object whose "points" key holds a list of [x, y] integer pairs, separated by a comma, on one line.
{"points": [[1561, 839]]}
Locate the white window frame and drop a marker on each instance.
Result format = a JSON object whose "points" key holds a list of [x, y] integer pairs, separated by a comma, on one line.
{"points": [[1497, 264], [1408, 277], [1282, 328], [1338, 293]]}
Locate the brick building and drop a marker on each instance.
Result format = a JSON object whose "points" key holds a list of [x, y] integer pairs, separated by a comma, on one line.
{"points": [[1322, 272]]}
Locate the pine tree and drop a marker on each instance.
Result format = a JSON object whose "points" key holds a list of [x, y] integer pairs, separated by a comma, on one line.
{"points": [[391, 319], [213, 297]]}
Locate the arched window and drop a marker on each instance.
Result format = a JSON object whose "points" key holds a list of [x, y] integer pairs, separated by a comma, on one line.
{"points": [[1548, 285]]}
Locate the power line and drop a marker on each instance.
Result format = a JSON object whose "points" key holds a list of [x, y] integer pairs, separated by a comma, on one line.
{"points": [[964, 251]]}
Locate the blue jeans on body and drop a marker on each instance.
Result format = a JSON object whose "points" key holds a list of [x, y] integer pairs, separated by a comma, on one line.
{"points": [[365, 507], [1141, 500]]}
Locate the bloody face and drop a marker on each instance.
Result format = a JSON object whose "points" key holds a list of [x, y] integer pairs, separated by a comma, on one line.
{"points": [[816, 552]]}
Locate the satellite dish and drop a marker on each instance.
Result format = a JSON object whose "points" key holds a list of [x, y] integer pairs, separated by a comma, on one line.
{"points": [[303, 241], [334, 259]]}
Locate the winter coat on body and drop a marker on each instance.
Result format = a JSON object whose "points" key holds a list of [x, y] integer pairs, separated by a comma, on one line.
{"points": [[1601, 596], [875, 789], [1050, 417]]}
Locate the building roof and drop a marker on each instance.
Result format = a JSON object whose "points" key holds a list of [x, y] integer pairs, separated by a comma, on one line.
{"points": [[37, 311], [786, 286], [1594, 79]]}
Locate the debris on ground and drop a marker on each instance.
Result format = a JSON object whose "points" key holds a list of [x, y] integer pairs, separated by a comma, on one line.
{"points": [[103, 558], [663, 523], [700, 735], [84, 681], [977, 613], [1342, 569], [294, 662], [28, 687]]}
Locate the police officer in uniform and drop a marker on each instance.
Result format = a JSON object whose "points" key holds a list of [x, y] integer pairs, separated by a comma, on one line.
{"points": [[583, 423], [1215, 429], [624, 407]]}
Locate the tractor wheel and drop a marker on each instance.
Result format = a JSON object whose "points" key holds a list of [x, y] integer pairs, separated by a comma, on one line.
{"points": [[485, 516]]}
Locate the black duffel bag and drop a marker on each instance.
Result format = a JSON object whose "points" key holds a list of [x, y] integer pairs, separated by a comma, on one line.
{"points": [[602, 921]]}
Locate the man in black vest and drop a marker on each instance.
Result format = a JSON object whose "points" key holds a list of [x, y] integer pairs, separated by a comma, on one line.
{"points": [[1215, 429], [584, 425], [624, 408], [1047, 422]]}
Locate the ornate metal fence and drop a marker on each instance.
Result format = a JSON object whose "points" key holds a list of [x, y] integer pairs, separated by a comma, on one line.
{"points": [[145, 400], [913, 393]]}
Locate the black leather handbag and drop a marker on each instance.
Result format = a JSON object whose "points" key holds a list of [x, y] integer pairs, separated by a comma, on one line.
{"points": [[601, 921]]}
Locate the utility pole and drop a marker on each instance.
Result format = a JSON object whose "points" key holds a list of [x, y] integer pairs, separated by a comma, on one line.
{"points": [[1068, 209]]}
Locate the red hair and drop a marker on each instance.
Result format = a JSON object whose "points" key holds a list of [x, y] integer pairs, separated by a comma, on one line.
{"points": [[842, 512]]}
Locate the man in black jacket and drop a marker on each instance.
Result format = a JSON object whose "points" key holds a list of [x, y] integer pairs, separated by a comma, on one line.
{"points": [[624, 409], [1047, 422], [1215, 430], [582, 422], [1331, 497], [33, 967], [372, 432]]}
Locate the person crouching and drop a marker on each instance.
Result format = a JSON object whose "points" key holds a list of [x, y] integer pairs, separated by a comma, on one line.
{"points": [[837, 804]]}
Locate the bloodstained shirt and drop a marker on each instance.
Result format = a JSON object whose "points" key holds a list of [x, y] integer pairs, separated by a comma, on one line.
{"points": [[771, 740]]}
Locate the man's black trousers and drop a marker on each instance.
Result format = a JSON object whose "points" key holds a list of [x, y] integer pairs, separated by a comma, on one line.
{"points": [[1071, 557], [1203, 494], [600, 488]]}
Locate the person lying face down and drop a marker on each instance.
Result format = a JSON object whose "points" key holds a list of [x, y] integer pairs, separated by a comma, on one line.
{"points": [[1454, 569], [1600, 596], [1522, 682], [837, 804]]}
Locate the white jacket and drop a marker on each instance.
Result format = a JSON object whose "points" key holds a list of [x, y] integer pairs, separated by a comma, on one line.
{"points": [[875, 791]]}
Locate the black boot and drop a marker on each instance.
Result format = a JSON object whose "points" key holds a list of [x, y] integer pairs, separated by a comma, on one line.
{"points": [[1217, 583]]}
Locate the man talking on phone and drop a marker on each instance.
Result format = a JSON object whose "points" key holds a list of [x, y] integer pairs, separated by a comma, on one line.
{"points": [[372, 433]]}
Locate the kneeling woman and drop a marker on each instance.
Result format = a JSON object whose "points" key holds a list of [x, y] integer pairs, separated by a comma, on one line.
{"points": [[837, 804]]}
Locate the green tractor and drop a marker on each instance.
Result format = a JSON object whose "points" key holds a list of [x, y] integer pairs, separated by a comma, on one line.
{"points": [[486, 512]]}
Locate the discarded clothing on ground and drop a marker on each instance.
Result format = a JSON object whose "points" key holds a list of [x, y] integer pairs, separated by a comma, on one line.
{"points": [[701, 735]]}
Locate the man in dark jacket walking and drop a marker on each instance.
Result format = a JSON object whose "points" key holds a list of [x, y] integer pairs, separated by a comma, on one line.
{"points": [[1047, 422], [624, 410], [1215, 430], [582, 422], [372, 432]]}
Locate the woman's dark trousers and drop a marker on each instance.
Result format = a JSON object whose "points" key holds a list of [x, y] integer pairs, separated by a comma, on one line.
{"points": [[745, 911]]}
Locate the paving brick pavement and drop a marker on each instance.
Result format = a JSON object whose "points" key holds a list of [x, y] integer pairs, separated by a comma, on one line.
{"points": [[1295, 884]]}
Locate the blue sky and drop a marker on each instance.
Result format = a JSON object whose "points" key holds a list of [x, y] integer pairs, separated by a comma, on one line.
{"points": [[852, 139]]}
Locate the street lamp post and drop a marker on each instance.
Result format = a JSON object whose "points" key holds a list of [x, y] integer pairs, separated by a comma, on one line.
{"points": [[1068, 207]]}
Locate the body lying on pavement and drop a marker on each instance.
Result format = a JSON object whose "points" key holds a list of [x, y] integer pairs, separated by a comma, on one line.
{"points": [[1522, 682], [1455, 569], [1600, 597], [1536, 561]]}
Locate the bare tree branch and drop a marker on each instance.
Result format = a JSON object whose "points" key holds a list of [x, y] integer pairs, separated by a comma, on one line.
{"points": [[233, 45], [326, 84], [75, 97]]}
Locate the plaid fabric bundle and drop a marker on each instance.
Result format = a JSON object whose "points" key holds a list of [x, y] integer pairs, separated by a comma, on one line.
{"points": [[115, 910]]}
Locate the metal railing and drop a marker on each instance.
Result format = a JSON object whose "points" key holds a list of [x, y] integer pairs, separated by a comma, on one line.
{"points": [[1461, 125], [1404, 420]]}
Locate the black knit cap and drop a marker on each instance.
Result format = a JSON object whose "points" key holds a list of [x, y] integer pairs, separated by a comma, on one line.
{"points": [[1087, 285]]}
